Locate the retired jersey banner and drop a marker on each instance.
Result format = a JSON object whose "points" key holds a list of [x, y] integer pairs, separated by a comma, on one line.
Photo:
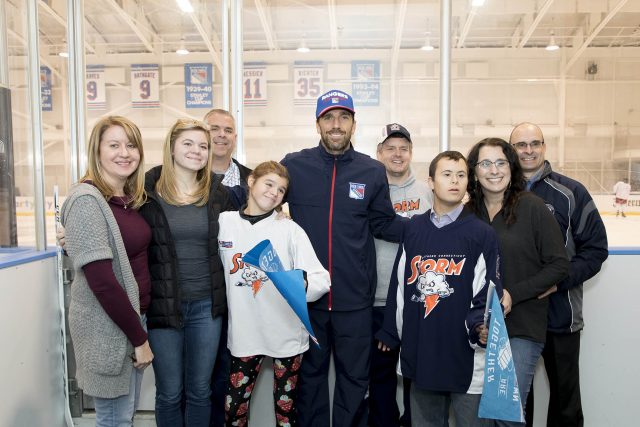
{"points": [[198, 85], [45, 88], [254, 78], [307, 82], [145, 86], [366, 86], [500, 395], [96, 90]]}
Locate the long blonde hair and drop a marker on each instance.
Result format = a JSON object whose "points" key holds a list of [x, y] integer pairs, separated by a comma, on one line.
{"points": [[166, 185], [134, 184]]}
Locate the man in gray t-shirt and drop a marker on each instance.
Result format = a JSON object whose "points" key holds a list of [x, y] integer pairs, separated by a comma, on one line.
{"points": [[409, 197]]}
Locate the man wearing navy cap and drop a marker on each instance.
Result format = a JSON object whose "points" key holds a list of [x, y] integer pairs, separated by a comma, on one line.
{"points": [[340, 197], [409, 197]]}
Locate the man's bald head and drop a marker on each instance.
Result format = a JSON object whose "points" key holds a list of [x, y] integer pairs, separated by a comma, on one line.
{"points": [[528, 141], [528, 127]]}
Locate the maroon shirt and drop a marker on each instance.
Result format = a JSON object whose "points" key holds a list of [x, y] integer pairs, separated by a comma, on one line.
{"points": [[136, 236]]}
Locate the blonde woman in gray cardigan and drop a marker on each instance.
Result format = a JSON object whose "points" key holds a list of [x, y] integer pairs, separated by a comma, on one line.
{"points": [[107, 240]]}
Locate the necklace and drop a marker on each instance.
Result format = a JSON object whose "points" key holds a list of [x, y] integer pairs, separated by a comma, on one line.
{"points": [[124, 200]]}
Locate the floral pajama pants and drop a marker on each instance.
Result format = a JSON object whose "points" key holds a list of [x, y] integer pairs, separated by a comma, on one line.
{"points": [[244, 372]]}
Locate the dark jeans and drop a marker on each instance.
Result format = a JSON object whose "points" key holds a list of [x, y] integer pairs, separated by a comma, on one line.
{"points": [[183, 363], [525, 358], [220, 378], [383, 383], [431, 409]]}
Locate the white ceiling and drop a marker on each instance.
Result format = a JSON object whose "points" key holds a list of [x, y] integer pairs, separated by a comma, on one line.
{"points": [[159, 27]]}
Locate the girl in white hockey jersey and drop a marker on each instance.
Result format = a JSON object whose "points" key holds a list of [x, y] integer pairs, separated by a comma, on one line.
{"points": [[261, 323]]}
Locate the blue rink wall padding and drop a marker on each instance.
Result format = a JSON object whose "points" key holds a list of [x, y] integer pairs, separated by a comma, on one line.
{"points": [[622, 250], [10, 257]]}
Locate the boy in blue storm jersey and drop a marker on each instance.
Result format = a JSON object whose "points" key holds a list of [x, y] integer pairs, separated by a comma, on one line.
{"points": [[437, 298]]}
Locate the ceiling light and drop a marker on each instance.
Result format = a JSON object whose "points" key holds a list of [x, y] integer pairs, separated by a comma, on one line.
{"points": [[182, 50], [303, 47], [427, 46], [63, 54], [477, 3], [185, 6], [552, 44]]}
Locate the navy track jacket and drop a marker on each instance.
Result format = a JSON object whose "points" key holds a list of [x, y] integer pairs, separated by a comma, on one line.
{"points": [[342, 202], [585, 239]]}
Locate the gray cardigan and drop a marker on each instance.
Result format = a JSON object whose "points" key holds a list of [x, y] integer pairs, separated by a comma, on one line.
{"points": [[103, 352]]}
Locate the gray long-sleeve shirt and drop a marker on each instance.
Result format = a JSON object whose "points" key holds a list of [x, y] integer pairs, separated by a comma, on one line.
{"points": [[410, 198]]}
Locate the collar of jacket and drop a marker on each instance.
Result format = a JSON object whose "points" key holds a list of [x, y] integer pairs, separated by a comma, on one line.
{"points": [[348, 155], [546, 171], [150, 178]]}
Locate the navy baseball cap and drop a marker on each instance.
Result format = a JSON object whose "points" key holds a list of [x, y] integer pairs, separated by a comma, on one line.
{"points": [[334, 99], [394, 129]]}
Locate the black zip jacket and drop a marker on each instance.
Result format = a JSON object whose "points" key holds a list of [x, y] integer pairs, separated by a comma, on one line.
{"points": [[164, 310]]}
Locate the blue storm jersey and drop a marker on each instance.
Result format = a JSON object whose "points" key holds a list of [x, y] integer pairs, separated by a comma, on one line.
{"points": [[437, 298]]}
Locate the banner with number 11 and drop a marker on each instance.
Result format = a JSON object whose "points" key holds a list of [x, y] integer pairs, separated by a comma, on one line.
{"points": [[254, 78]]}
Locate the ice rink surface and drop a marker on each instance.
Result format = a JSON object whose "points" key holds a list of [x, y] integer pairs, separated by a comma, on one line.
{"points": [[622, 233]]}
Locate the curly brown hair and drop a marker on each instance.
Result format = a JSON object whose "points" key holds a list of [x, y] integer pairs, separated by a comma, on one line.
{"points": [[513, 191]]}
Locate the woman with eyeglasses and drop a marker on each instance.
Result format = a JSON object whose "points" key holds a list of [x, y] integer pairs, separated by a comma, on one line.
{"points": [[532, 249]]}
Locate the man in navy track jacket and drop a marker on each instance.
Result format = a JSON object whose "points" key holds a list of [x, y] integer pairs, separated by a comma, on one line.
{"points": [[341, 199]]}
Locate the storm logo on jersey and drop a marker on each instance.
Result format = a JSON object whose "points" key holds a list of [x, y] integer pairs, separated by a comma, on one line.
{"points": [[429, 275], [250, 276], [406, 206]]}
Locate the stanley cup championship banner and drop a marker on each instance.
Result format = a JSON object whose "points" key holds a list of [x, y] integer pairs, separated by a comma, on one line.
{"points": [[500, 396], [96, 92], [307, 82], [198, 85], [366, 86], [45, 88], [289, 283], [145, 86]]}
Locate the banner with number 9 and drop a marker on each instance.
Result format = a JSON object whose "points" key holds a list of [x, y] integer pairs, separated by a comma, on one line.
{"points": [[145, 83], [96, 92]]}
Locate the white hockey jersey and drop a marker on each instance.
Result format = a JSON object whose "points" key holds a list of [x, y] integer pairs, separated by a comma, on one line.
{"points": [[260, 320]]}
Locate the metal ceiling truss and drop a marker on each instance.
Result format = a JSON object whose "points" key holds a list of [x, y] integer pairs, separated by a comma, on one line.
{"points": [[133, 15], [593, 34], [536, 21]]}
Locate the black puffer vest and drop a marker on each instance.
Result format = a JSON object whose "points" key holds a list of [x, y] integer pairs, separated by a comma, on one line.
{"points": [[164, 310]]}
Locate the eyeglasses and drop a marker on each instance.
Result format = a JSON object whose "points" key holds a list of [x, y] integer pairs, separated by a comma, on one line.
{"points": [[523, 145], [500, 164]]}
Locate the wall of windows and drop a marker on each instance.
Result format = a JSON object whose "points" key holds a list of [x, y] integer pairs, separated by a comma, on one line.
{"points": [[585, 95]]}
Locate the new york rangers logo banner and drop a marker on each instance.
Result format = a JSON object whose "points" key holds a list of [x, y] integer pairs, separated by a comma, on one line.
{"points": [[500, 396], [289, 283]]}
